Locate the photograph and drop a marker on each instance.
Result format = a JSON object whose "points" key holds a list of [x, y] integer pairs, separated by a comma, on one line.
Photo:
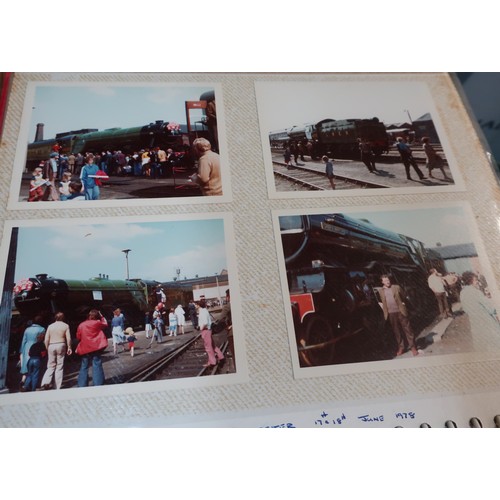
{"points": [[5, 82], [113, 303], [109, 144], [331, 138], [385, 288]]}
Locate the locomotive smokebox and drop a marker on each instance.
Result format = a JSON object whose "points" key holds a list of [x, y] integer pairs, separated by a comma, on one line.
{"points": [[294, 235]]}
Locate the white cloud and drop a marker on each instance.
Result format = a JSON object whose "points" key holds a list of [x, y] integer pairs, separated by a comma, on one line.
{"points": [[200, 260], [80, 241]]}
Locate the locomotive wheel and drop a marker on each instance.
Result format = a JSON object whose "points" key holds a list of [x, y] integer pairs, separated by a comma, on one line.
{"points": [[379, 344], [373, 321], [315, 344]]}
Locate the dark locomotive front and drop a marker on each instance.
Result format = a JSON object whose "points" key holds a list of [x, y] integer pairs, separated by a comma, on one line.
{"points": [[340, 137], [335, 138]]}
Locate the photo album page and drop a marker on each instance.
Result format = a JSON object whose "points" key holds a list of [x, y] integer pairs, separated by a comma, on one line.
{"points": [[246, 250]]}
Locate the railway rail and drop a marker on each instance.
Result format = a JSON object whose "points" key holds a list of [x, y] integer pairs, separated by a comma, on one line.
{"points": [[187, 360], [315, 180], [181, 361]]}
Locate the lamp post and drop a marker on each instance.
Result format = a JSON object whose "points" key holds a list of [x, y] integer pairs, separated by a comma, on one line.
{"points": [[218, 291], [126, 252]]}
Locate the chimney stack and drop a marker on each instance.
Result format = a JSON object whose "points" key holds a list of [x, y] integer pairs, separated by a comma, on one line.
{"points": [[39, 132]]}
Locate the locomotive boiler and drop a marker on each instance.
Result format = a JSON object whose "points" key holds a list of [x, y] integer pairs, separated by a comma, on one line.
{"points": [[43, 296], [127, 140]]}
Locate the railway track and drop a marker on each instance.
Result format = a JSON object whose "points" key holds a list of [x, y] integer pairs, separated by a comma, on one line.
{"points": [[312, 179], [187, 360], [183, 361]]}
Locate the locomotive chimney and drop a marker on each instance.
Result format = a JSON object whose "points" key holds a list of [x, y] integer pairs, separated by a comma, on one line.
{"points": [[39, 132]]}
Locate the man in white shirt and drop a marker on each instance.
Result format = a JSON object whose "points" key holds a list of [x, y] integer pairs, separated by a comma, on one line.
{"points": [[436, 284]]}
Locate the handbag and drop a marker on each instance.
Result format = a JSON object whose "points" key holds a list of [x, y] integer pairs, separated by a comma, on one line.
{"points": [[100, 176]]}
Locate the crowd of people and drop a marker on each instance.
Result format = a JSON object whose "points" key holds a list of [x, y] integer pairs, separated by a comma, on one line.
{"points": [[51, 345], [293, 150], [175, 319], [470, 289], [162, 318], [43, 350], [77, 177]]}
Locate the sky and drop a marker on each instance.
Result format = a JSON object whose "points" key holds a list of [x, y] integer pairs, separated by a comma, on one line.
{"points": [[196, 247], [62, 108], [447, 226], [284, 104]]}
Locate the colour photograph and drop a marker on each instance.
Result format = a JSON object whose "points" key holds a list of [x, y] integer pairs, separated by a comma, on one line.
{"points": [[110, 143], [116, 303], [333, 138], [385, 288]]}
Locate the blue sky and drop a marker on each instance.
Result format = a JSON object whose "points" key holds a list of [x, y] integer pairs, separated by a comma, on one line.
{"points": [[67, 107], [446, 225], [157, 249], [284, 104]]}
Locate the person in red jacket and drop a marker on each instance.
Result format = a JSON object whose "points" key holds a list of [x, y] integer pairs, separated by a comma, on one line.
{"points": [[92, 344]]}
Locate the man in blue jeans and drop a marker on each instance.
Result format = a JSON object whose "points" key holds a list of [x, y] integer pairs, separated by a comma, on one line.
{"points": [[93, 358], [92, 344], [407, 158], [37, 353]]}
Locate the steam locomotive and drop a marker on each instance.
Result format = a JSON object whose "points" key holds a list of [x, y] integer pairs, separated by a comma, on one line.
{"points": [[335, 138], [334, 263], [44, 296], [128, 140]]}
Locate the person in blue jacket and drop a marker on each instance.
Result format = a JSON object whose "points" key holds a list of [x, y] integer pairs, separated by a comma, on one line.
{"points": [[329, 170], [88, 178]]}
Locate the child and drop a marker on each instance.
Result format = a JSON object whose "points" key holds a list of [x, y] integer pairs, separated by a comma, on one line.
{"points": [[75, 190], [172, 323], [37, 352], [131, 338], [64, 186], [159, 326], [329, 170], [147, 325], [37, 184]]}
